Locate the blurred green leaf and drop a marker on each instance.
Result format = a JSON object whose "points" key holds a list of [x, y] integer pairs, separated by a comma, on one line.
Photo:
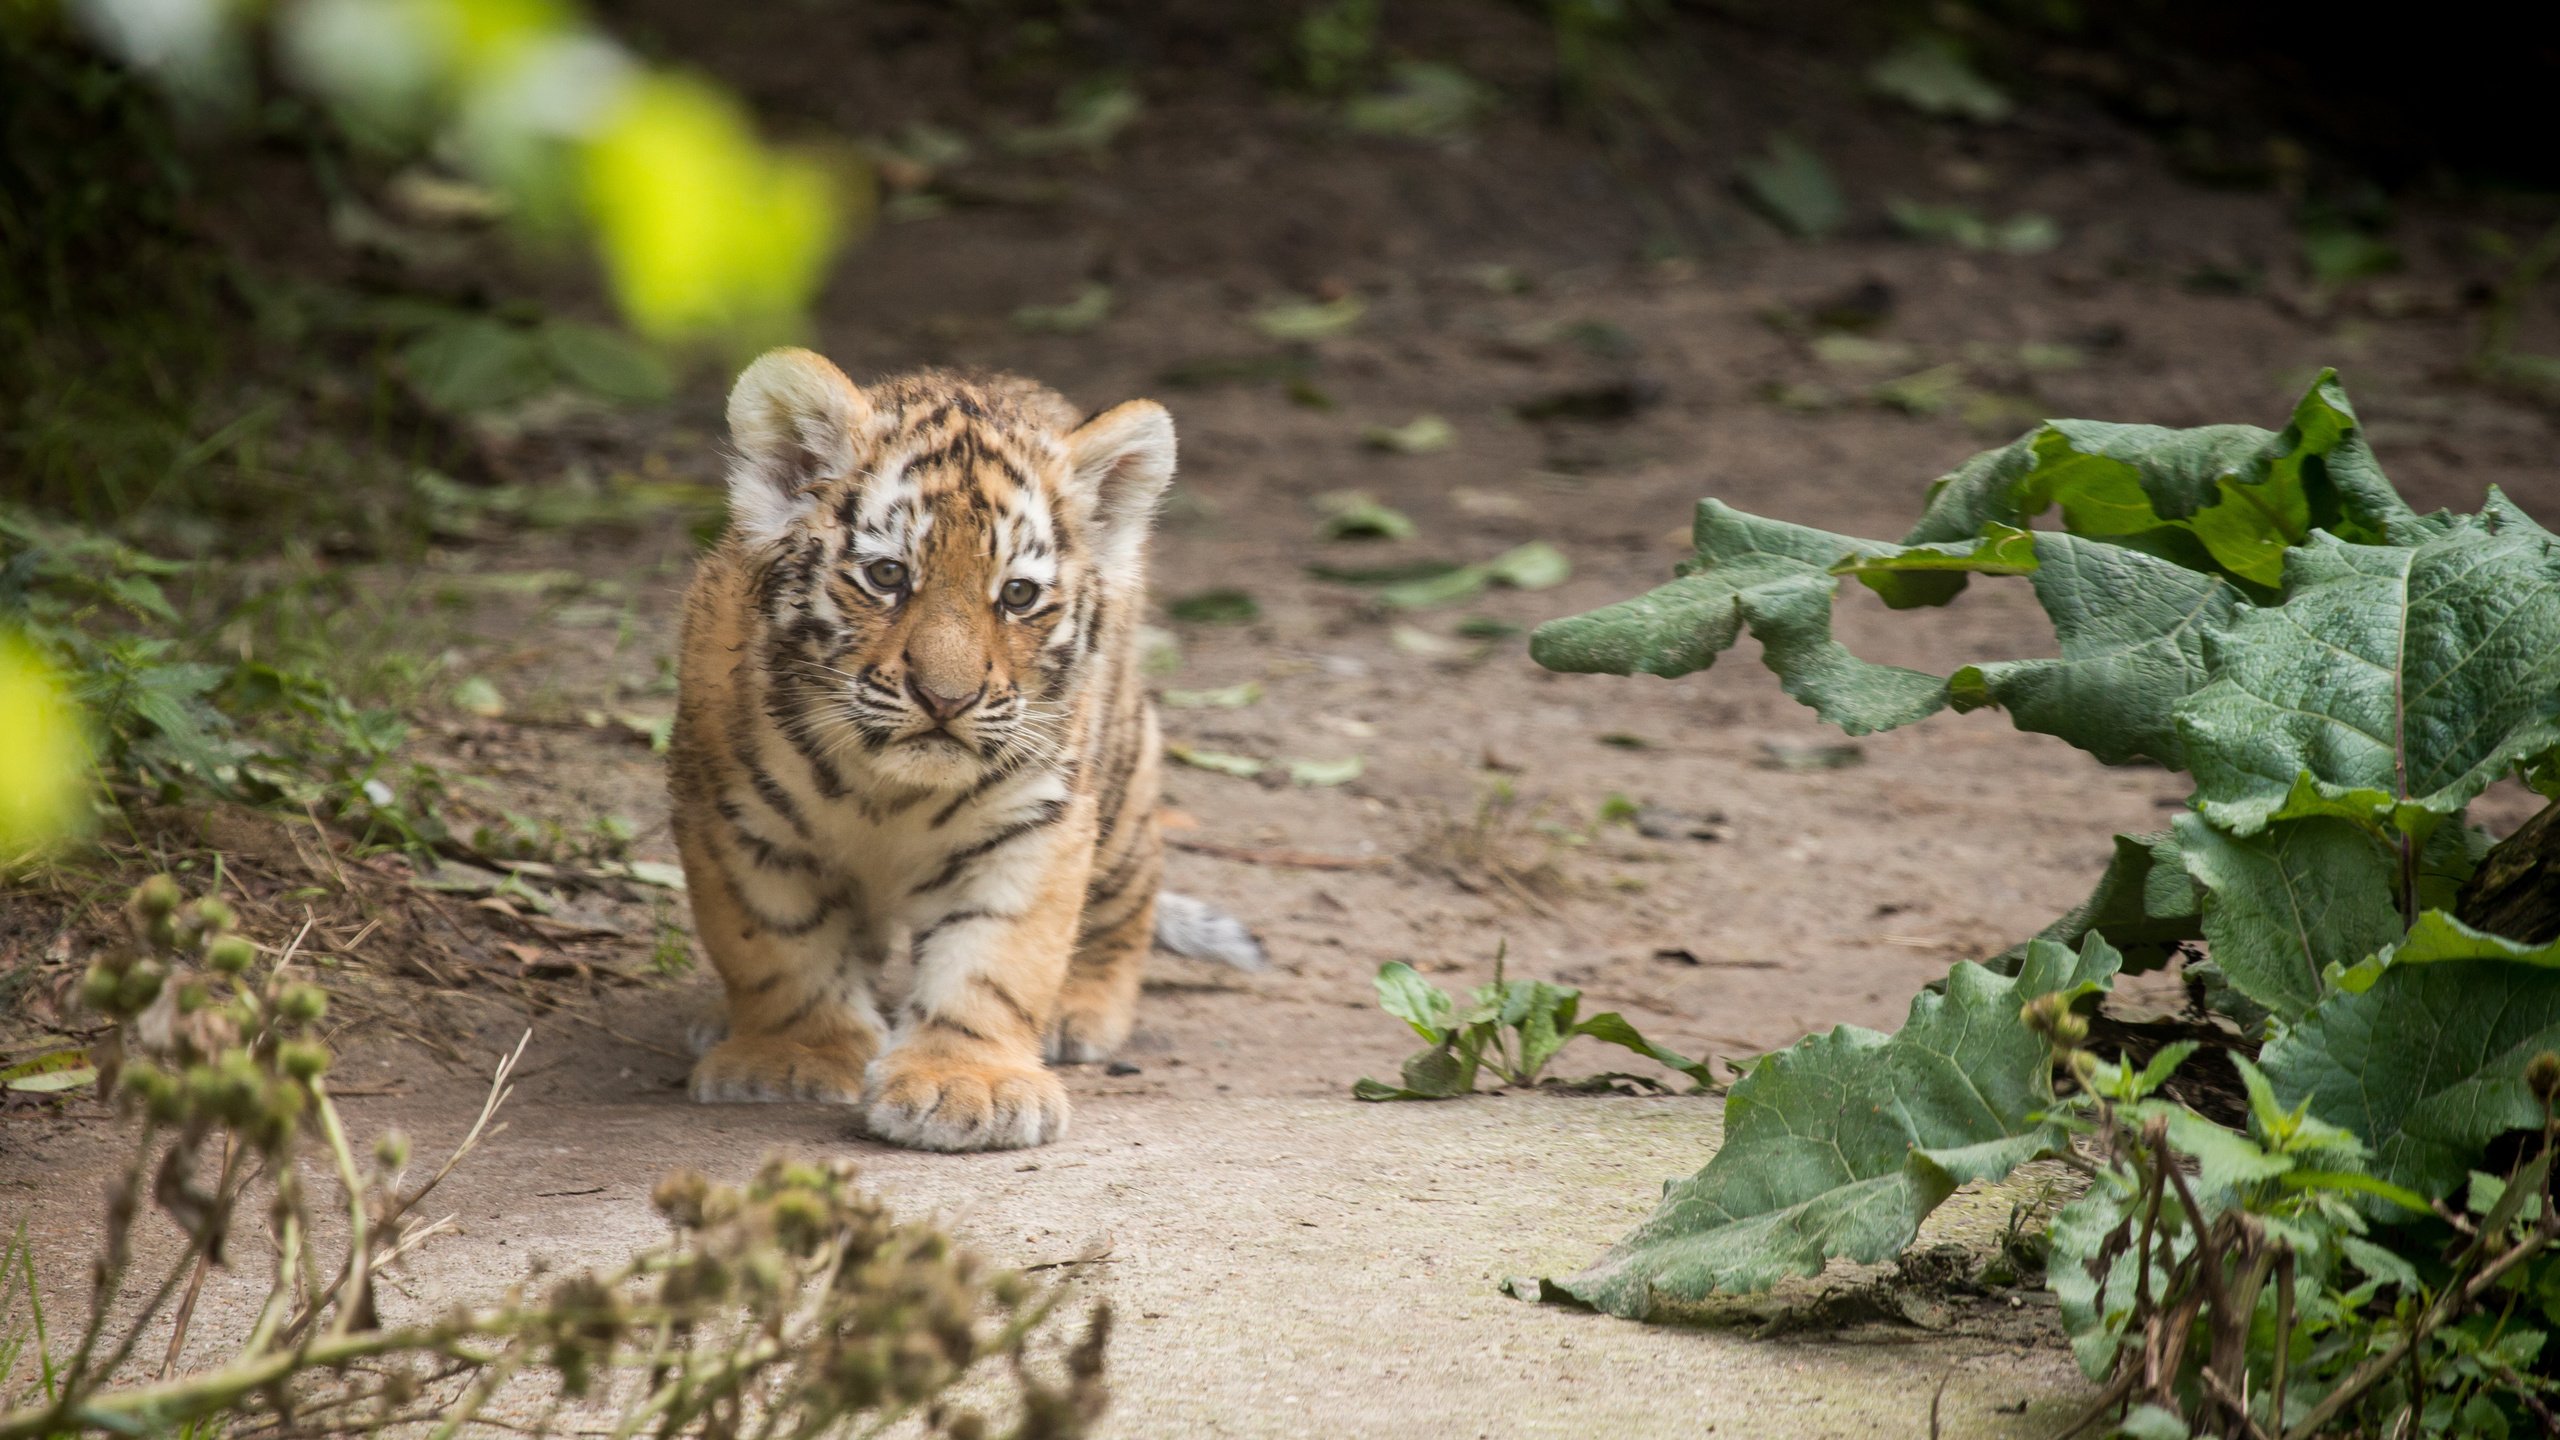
{"points": [[1305, 320], [1232, 697], [1423, 100], [472, 363], [477, 696], [702, 230], [1091, 114], [1358, 515], [1089, 307], [2023, 234], [2336, 254], [1215, 607], [607, 363], [1243, 767], [1317, 774], [1930, 75], [1534, 566], [1421, 435], [1792, 186]]}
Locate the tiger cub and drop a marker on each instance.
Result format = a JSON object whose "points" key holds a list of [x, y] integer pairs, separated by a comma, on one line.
{"points": [[910, 721]]}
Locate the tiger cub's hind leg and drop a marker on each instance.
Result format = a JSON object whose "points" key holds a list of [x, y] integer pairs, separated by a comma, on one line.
{"points": [[1099, 1002], [801, 1024]]}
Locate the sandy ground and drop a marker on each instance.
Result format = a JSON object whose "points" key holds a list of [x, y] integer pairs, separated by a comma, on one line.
{"points": [[1286, 1260]]}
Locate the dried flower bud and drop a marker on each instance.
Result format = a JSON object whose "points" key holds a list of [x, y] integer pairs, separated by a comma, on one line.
{"points": [[2052, 1017], [679, 1197], [157, 896], [231, 954], [2542, 1076], [155, 1089], [799, 1221], [303, 1059], [302, 1003], [98, 988], [140, 986]]}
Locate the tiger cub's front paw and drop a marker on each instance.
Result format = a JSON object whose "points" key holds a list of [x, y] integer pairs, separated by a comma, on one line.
{"points": [[943, 1102], [740, 1069]]}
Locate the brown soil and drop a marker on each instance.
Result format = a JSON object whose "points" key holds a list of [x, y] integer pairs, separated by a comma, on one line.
{"points": [[1290, 1261]]}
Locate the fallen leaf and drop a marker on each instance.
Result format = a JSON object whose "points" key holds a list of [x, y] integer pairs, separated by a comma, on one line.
{"points": [[1930, 75], [1534, 566], [1215, 607], [654, 873], [1231, 697], [1422, 435], [1933, 391], [1087, 308], [1359, 515], [1314, 774], [1413, 640], [1396, 574], [1793, 187], [53, 1082], [477, 696], [1301, 321], [1810, 754], [1243, 767], [1857, 352], [1422, 100]]}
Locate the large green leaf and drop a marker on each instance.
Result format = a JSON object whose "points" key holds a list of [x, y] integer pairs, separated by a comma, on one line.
{"points": [[2229, 498], [2422, 1054], [2143, 904], [2283, 905], [2392, 686], [1839, 1145], [2132, 630], [1771, 577]]}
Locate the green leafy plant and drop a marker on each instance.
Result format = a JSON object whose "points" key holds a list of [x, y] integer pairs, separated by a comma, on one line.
{"points": [[795, 1304], [1336, 44], [1509, 1028], [171, 720], [2340, 676]]}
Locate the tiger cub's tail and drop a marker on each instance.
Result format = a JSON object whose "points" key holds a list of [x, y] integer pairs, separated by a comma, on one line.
{"points": [[1193, 928]]}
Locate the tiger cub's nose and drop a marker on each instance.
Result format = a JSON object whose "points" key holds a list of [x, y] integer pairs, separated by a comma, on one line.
{"points": [[937, 704]]}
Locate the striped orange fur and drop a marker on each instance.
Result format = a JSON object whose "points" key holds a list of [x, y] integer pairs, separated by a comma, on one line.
{"points": [[910, 725]]}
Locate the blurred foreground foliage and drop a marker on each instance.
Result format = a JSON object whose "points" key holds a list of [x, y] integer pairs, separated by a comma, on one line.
{"points": [[703, 231], [794, 1304], [174, 383]]}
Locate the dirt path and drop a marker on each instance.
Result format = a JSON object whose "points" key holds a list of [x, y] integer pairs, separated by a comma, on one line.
{"points": [[1287, 1261]]}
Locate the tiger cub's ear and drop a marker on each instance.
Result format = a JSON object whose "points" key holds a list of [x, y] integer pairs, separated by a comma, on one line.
{"points": [[1118, 464], [792, 419]]}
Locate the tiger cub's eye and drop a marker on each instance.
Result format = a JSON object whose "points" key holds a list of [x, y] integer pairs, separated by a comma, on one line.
{"points": [[886, 574], [1021, 594]]}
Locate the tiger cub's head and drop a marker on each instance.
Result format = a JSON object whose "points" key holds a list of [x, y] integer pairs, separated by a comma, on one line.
{"points": [[938, 558]]}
